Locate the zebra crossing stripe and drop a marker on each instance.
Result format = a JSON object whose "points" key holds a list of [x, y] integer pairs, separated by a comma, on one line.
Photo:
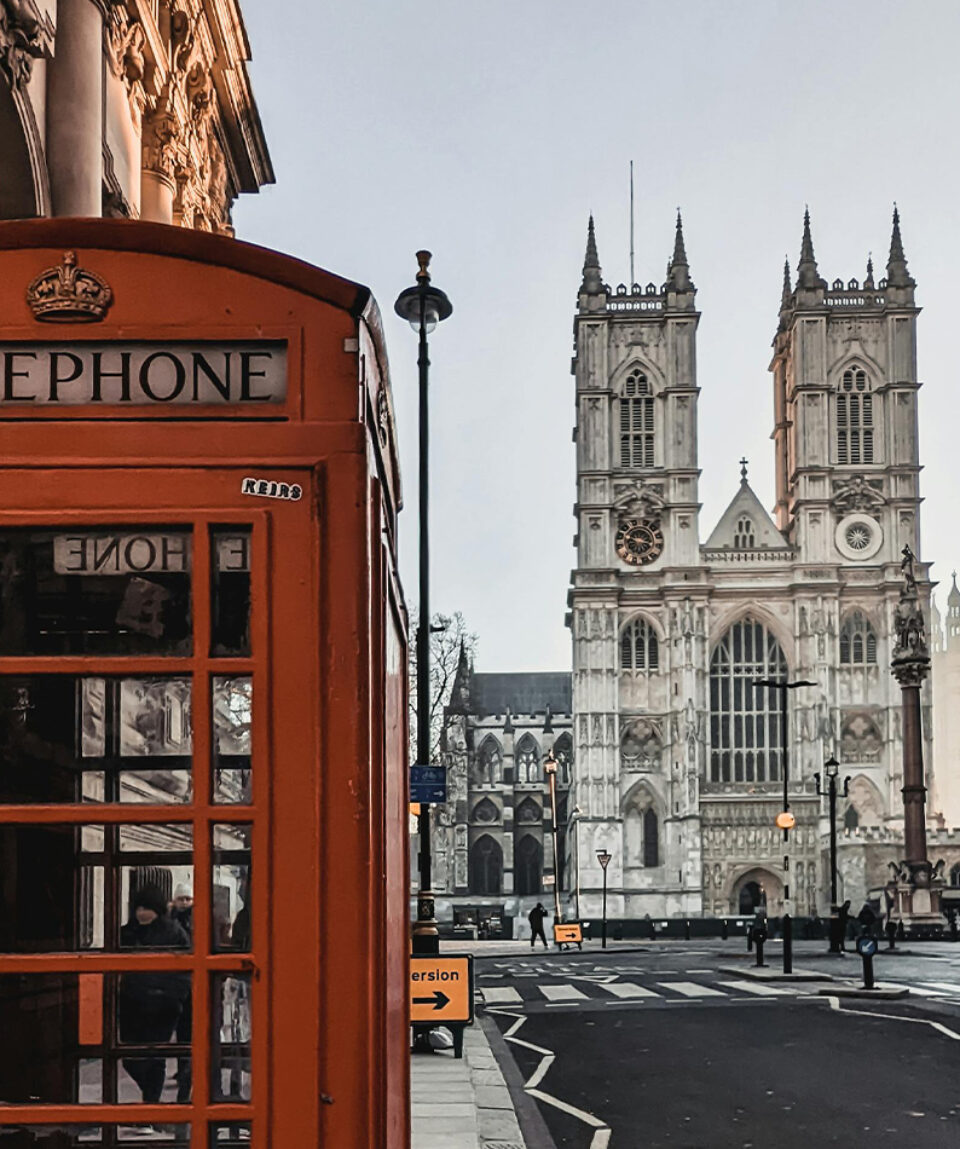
{"points": [[917, 989], [757, 988], [691, 989], [628, 989], [949, 986], [562, 993], [501, 995]]}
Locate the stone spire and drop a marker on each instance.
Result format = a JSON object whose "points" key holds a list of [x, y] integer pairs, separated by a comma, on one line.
{"points": [[592, 280], [678, 270], [897, 274], [807, 274], [787, 293], [460, 691], [868, 283]]}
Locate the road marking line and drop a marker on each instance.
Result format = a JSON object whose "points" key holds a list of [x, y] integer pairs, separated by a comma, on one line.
{"points": [[912, 988], [945, 1030], [572, 1110], [601, 1139], [562, 993], [541, 1071], [757, 988], [629, 989], [501, 995], [951, 986], [691, 989]]}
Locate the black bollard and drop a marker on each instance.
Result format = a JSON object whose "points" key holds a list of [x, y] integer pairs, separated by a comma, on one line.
{"points": [[686, 930], [749, 938], [724, 930], [868, 982], [866, 948], [759, 940], [787, 944], [652, 931]]}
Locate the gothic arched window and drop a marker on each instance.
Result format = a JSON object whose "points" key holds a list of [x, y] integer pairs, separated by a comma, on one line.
{"points": [[563, 752], [486, 866], [955, 874], [641, 829], [639, 648], [636, 422], [651, 838], [528, 865], [528, 760], [858, 641], [854, 418], [489, 760], [744, 537], [745, 733]]}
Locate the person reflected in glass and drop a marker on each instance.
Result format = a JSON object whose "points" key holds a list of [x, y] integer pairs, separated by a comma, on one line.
{"points": [[182, 912], [150, 1004]]}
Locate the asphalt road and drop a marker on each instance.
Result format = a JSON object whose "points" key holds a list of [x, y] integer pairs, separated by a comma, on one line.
{"points": [[669, 1049]]}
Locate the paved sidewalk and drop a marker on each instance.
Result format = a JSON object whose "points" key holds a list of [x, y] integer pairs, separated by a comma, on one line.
{"points": [[462, 1103]]}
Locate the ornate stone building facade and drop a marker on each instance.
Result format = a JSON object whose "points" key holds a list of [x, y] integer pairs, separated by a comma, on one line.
{"points": [[137, 108], [945, 642], [670, 634], [492, 847]]}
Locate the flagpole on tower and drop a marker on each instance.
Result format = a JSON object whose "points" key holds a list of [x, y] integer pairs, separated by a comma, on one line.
{"points": [[633, 277]]}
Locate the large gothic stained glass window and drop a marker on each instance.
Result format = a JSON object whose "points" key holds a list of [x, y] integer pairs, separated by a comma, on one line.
{"points": [[745, 733]]}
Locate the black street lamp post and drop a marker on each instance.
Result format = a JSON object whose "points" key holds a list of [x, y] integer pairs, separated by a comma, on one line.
{"points": [[424, 306], [550, 769], [603, 857], [785, 820], [832, 770]]}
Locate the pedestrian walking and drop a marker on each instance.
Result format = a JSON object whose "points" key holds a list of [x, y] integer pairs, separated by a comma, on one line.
{"points": [[868, 921], [536, 918], [843, 917], [149, 1004], [182, 912]]}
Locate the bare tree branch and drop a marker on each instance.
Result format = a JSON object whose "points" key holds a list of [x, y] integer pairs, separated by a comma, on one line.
{"points": [[448, 632]]}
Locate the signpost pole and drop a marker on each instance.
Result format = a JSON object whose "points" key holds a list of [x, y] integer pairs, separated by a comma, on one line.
{"points": [[550, 769]]}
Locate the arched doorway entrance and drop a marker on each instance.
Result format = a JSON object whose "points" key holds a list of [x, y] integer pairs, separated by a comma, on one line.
{"points": [[757, 889]]}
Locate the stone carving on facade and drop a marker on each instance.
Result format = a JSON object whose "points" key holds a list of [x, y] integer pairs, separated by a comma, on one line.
{"points": [[857, 494], [126, 40], [860, 739], [641, 745], [22, 40], [638, 498]]}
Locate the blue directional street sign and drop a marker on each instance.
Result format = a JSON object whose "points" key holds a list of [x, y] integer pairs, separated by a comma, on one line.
{"points": [[866, 946], [428, 784]]}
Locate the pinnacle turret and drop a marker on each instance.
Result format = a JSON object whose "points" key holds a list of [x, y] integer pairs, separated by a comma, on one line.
{"points": [[678, 270], [787, 292], [868, 283], [897, 274], [592, 279], [807, 274]]}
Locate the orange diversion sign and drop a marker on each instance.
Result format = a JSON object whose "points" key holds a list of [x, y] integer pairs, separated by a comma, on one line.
{"points": [[203, 795]]}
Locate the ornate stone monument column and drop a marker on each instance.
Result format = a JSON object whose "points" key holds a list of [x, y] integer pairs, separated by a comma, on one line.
{"points": [[916, 887]]}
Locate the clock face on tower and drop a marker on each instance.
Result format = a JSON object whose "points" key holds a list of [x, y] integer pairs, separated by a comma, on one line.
{"points": [[639, 541]]}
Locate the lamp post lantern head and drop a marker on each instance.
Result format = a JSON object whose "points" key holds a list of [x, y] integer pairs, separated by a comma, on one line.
{"points": [[423, 304], [831, 767], [550, 764], [603, 857]]}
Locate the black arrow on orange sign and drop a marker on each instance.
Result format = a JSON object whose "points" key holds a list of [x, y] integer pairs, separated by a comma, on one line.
{"points": [[438, 999]]}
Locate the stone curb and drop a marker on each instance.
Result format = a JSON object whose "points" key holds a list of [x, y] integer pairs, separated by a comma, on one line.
{"points": [[859, 991], [497, 1123], [763, 974]]}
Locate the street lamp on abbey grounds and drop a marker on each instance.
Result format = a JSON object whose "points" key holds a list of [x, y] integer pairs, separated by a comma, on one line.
{"points": [[550, 769], [832, 770], [603, 857], [424, 306]]}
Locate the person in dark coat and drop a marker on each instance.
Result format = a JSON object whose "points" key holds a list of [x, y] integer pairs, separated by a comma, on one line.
{"points": [[868, 921], [536, 918], [149, 1003], [843, 916], [182, 912]]}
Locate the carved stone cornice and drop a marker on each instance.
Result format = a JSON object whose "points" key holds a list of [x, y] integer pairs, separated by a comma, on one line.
{"points": [[857, 493]]}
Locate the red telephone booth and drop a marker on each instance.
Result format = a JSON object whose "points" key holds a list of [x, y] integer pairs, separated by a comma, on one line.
{"points": [[203, 801]]}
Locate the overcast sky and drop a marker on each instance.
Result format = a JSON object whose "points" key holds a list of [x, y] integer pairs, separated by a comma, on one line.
{"points": [[487, 131]]}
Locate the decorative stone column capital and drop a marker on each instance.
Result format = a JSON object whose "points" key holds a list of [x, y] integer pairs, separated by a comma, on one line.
{"points": [[22, 40]]}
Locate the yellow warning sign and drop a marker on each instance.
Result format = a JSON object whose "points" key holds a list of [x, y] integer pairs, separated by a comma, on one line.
{"points": [[568, 933], [441, 989]]}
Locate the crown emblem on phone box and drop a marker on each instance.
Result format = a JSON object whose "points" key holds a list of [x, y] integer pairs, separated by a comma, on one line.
{"points": [[69, 294]]}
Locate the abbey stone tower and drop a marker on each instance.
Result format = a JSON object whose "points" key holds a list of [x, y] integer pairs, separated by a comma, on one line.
{"points": [[678, 768]]}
